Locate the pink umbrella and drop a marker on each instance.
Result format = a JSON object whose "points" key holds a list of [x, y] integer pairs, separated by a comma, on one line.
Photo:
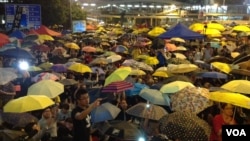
{"points": [[89, 49], [118, 86], [45, 76]]}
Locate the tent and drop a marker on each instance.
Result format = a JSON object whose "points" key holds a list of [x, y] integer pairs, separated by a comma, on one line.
{"points": [[45, 30], [181, 31]]}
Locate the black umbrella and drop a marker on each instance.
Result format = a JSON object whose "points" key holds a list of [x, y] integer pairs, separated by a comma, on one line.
{"points": [[17, 53], [241, 58], [121, 130], [222, 59], [184, 126]]}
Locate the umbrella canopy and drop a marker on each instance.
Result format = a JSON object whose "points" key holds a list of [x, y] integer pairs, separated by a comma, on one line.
{"points": [[140, 110], [242, 72], [224, 67], [184, 126], [46, 65], [137, 72], [17, 53], [120, 130], [119, 74], [117, 86], [18, 119], [6, 76], [28, 103], [34, 69], [60, 68], [191, 99], [104, 112], [72, 46], [11, 135], [136, 89], [114, 58], [154, 96], [44, 76], [182, 68], [68, 82], [237, 86], [151, 61], [80, 68], [175, 86], [156, 31], [176, 39], [212, 74], [160, 74], [89, 49], [231, 98], [100, 61], [49, 88], [242, 28]]}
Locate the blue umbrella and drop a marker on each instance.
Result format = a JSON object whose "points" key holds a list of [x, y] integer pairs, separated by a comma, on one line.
{"points": [[213, 74], [18, 34], [104, 112], [17, 53], [136, 89]]}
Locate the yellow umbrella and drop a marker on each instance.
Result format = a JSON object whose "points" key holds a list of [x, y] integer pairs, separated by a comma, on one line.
{"points": [[114, 58], [137, 72], [182, 68], [45, 37], [217, 26], [160, 74], [72, 46], [151, 61], [28, 103], [238, 86], [197, 27], [46, 65], [49, 88], [175, 86], [80, 68], [209, 31], [231, 98], [241, 28], [156, 31], [143, 56], [224, 67], [34, 68], [118, 75]]}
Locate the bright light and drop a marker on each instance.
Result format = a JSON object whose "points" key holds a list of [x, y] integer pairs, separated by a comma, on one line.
{"points": [[23, 65], [85, 4], [141, 139], [92, 4], [136, 5]]}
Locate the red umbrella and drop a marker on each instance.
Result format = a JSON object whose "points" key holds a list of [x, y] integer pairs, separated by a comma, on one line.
{"points": [[117, 86]]}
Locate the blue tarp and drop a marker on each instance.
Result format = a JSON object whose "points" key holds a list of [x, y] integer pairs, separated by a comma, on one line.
{"points": [[181, 31]]}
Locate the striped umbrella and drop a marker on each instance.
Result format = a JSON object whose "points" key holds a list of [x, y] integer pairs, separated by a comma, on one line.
{"points": [[117, 86]]}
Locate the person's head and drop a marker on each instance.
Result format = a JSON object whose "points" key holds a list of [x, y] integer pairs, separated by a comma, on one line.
{"points": [[227, 109], [123, 104], [47, 113], [82, 97], [65, 108]]}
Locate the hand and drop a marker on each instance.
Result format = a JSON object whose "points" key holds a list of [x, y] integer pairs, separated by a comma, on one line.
{"points": [[96, 103]]}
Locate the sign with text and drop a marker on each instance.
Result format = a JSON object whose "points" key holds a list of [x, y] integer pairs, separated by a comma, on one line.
{"points": [[235, 132], [30, 17], [79, 26]]}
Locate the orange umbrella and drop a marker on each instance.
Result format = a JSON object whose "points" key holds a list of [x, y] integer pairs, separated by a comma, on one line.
{"points": [[89, 49], [170, 47]]}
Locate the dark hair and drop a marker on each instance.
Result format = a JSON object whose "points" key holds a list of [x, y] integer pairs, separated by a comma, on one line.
{"points": [[81, 92], [69, 120], [65, 106]]}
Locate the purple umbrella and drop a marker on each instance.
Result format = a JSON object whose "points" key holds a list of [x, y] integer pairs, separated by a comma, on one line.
{"points": [[59, 68]]}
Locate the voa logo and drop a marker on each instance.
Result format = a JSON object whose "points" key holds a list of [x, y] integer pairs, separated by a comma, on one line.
{"points": [[236, 132]]}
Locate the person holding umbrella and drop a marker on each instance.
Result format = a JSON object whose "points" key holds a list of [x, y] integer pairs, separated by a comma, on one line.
{"points": [[81, 116], [226, 117]]}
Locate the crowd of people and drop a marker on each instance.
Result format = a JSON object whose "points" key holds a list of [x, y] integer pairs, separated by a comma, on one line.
{"points": [[69, 119]]}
